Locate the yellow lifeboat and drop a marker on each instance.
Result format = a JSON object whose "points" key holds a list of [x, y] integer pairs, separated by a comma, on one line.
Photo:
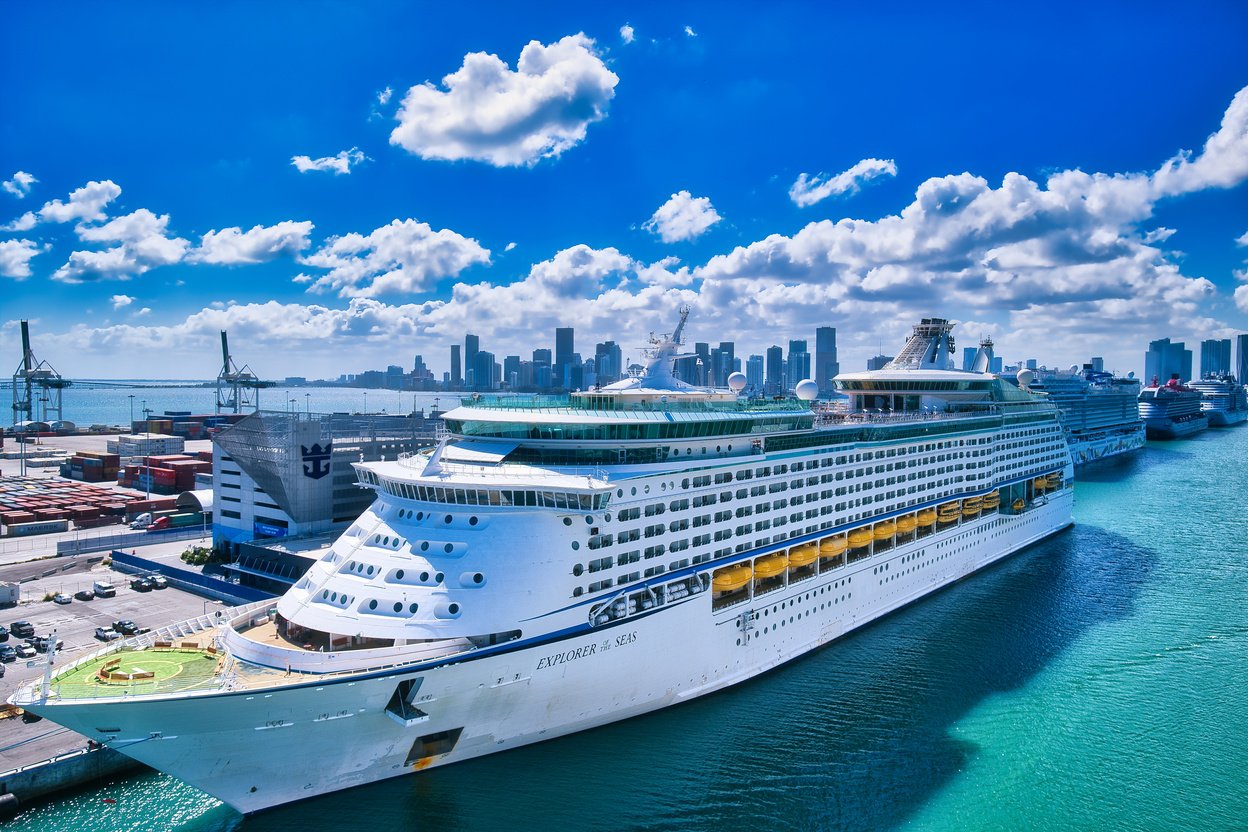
{"points": [[992, 500], [770, 566], [906, 524], [927, 517], [803, 555], [860, 537], [833, 546], [971, 506], [1053, 480], [884, 530], [732, 578], [950, 508], [1040, 483], [1018, 504]]}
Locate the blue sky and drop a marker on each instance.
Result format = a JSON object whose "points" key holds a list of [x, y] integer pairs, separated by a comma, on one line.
{"points": [[187, 168]]}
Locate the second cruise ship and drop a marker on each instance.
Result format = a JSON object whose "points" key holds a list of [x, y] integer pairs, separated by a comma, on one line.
{"points": [[1099, 411], [561, 563]]}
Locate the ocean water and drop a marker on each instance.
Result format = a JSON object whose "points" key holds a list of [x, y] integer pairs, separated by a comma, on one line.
{"points": [[112, 405], [1098, 680]]}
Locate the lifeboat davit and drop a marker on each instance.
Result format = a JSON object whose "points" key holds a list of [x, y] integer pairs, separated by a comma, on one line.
{"points": [[927, 517], [884, 530], [770, 566], [1019, 505], [732, 578], [833, 546], [803, 555], [906, 524], [860, 537]]}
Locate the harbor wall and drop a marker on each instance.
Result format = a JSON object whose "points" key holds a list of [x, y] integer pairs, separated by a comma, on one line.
{"points": [[190, 580], [76, 768]]}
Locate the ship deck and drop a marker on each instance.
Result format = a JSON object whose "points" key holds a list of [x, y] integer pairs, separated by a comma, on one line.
{"points": [[170, 668]]}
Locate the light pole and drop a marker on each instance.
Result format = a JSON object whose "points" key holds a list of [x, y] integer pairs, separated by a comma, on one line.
{"points": [[147, 432], [366, 402], [131, 398], [307, 404]]}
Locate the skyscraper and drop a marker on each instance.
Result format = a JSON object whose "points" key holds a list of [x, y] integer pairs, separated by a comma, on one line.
{"points": [[483, 376], [1165, 360], [775, 371], [827, 367], [797, 367], [754, 373], [878, 362], [472, 345], [1241, 371], [608, 362], [968, 358], [563, 354], [511, 371], [1215, 356], [457, 375]]}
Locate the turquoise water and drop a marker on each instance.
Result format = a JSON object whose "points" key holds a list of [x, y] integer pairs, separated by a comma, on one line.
{"points": [[1098, 680]]}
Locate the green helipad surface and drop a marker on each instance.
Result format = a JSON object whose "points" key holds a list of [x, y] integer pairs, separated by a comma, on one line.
{"points": [[174, 669]]}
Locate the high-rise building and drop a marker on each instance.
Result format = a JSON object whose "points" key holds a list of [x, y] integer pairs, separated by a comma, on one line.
{"points": [[1165, 360], [457, 375], [1215, 356], [542, 375], [511, 371], [877, 362], [472, 345], [484, 376], [1098, 364], [608, 362], [1241, 353], [827, 367], [775, 371], [564, 346], [754, 373], [797, 367], [968, 358], [722, 361]]}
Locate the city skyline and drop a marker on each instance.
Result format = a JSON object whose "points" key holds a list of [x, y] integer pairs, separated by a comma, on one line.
{"points": [[381, 187]]}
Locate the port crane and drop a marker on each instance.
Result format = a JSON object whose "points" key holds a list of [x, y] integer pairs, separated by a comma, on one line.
{"points": [[237, 387], [36, 377]]}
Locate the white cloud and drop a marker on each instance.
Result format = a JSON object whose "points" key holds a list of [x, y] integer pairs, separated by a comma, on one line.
{"points": [[15, 257], [337, 164], [627, 33], [86, 203], [1223, 163], [690, 33], [20, 184], [660, 273], [509, 247], [683, 217], [233, 246], [25, 222], [1242, 241], [143, 245], [404, 256], [383, 97], [490, 113], [1241, 298], [146, 310], [808, 190], [121, 300]]}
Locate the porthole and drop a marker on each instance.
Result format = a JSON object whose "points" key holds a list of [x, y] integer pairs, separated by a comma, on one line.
{"points": [[472, 521], [438, 578], [398, 607], [578, 570], [420, 515], [647, 489], [386, 540], [634, 490], [324, 593], [447, 519], [333, 597], [424, 547], [372, 605], [576, 544], [567, 521], [478, 579], [619, 492], [448, 548], [607, 517], [577, 591], [453, 608], [424, 576], [413, 607], [370, 570], [589, 520], [398, 576]]}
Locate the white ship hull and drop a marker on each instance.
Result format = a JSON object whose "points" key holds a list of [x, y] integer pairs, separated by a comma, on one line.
{"points": [[258, 749]]}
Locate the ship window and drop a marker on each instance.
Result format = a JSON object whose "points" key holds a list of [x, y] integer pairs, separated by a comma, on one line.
{"points": [[576, 545], [370, 570], [372, 605], [448, 548], [398, 607], [472, 521], [447, 519], [424, 546], [413, 607], [398, 576], [453, 608], [567, 521], [438, 578]]}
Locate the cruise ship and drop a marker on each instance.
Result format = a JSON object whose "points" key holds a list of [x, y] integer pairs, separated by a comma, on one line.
{"points": [[1223, 400], [1171, 410], [1099, 411], [560, 563]]}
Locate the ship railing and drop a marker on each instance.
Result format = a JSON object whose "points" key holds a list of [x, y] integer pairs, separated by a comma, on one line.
{"points": [[826, 418], [418, 461]]}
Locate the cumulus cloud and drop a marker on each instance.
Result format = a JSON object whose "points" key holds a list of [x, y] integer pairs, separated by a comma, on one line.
{"points": [[627, 33], [120, 301], [338, 164], [1242, 241], [383, 97], [142, 244], [509, 246], [808, 190], [86, 203], [404, 256], [233, 246], [689, 32], [489, 113], [15, 257], [683, 217], [25, 222], [19, 186], [1223, 163]]}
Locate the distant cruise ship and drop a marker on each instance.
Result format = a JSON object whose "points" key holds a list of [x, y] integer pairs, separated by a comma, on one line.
{"points": [[1223, 400], [1171, 410], [1100, 412], [560, 563]]}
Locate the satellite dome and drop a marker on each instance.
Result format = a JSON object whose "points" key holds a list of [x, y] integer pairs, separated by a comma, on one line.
{"points": [[1025, 378], [807, 390], [736, 382]]}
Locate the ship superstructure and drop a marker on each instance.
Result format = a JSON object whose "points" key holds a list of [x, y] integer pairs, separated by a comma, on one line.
{"points": [[1223, 400], [1172, 410], [1099, 411], [530, 576]]}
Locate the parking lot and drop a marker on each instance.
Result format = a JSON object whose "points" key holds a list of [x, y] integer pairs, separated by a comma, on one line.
{"points": [[75, 624]]}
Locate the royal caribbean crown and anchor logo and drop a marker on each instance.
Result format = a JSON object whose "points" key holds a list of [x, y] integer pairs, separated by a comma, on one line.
{"points": [[316, 459]]}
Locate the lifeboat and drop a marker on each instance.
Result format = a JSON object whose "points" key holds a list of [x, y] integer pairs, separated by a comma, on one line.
{"points": [[833, 546], [803, 555], [860, 537], [971, 506], [992, 500], [906, 524], [770, 566], [1040, 483], [732, 578], [1053, 480], [884, 530], [950, 508], [927, 517], [1019, 505]]}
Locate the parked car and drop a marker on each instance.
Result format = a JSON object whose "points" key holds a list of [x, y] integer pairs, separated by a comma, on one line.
{"points": [[7, 653], [4, 633], [22, 629], [41, 643], [142, 584], [106, 634], [104, 589], [126, 627], [62, 598], [158, 582], [85, 595], [24, 651]]}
